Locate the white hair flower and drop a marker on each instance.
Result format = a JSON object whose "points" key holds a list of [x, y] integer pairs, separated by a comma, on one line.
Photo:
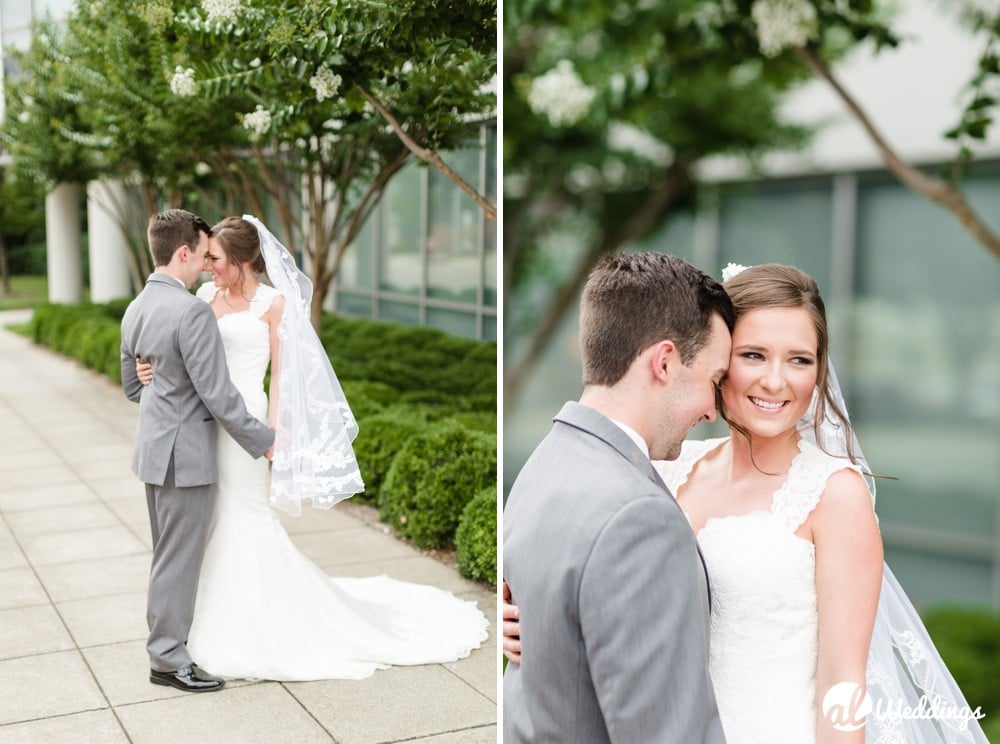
{"points": [[222, 11], [183, 83], [560, 95], [731, 270], [325, 83], [257, 122], [783, 23]]}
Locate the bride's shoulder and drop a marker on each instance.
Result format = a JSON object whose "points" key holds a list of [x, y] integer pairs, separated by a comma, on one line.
{"points": [[207, 291], [267, 298], [675, 472]]}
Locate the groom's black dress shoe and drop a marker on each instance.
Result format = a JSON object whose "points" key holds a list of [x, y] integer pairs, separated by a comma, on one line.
{"points": [[189, 679]]}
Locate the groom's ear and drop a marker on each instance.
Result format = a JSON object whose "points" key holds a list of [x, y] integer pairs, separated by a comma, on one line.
{"points": [[661, 355]]}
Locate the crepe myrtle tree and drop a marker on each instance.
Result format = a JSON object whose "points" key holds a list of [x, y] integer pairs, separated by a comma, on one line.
{"points": [[45, 129], [608, 109], [333, 99], [91, 102]]}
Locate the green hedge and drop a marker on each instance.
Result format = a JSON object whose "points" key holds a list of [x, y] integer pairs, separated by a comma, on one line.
{"points": [[476, 537], [968, 640], [425, 401], [433, 477]]}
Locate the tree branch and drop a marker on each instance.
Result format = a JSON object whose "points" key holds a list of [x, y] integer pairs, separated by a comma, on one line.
{"points": [[674, 182], [429, 156], [935, 189]]}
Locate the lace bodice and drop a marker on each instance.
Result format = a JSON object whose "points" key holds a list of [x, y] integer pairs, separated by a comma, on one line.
{"points": [[762, 582], [246, 338]]}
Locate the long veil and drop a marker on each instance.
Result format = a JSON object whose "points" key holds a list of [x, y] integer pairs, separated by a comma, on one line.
{"points": [[915, 700], [313, 458]]}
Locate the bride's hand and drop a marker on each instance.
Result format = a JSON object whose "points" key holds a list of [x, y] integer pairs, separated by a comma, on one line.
{"points": [[511, 627], [144, 371]]}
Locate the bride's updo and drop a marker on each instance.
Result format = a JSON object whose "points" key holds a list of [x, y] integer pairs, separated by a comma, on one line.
{"points": [[241, 242]]}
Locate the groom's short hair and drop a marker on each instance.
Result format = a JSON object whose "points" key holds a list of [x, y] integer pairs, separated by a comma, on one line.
{"points": [[634, 300], [172, 228]]}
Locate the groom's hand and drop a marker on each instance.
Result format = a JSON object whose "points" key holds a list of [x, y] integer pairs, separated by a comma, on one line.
{"points": [[269, 453], [511, 628]]}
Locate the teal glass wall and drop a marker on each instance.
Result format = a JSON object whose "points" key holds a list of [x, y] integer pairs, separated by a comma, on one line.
{"points": [[914, 308], [428, 255]]}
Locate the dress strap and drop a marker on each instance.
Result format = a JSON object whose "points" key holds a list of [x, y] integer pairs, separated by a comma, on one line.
{"points": [[262, 300], [675, 472], [207, 292], [811, 468]]}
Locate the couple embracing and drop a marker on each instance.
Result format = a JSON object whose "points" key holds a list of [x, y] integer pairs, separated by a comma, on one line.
{"points": [[227, 586], [734, 589]]}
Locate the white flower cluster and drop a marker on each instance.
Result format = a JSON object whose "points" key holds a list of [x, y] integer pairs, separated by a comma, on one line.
{"points": [[731, 270], [783, 23], [560, 95], [222, 11], [257, 122], [325, 83], [183, 83]]}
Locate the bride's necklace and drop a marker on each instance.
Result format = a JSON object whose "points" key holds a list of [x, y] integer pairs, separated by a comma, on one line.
{"points": [[225, 297]]}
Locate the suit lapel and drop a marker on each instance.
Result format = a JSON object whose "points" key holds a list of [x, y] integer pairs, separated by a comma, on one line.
{"points": [[587, 419]]}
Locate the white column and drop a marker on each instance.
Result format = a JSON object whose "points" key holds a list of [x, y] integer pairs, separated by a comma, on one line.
{"points": [[62, 244], [109, 273]]}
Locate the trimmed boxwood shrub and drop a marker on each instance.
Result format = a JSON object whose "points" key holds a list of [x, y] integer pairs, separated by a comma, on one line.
{"points": [[433, 478], [380, 438], [484, 421], [476, 537], [367, 398], [968, 639]]}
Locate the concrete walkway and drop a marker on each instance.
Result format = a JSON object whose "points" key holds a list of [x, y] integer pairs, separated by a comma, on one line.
{"points": [[74, 561]]}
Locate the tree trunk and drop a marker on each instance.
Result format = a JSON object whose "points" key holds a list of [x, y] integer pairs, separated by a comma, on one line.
{"points": [[674, 183], [4, 272]]}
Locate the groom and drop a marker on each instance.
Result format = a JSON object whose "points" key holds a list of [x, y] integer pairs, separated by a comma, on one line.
{"points": [[175, 442], [598, 556]]}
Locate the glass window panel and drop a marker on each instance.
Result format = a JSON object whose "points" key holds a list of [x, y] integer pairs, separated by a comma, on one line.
{"points": [[15, 14], [923, 375], [453, 231], [455, 322], [676, 236], [399, 312], [356, 268], [490, 249], [58, 8], [790, 224], [353, 304], [489, 328], [19, 38], [400, 268]]}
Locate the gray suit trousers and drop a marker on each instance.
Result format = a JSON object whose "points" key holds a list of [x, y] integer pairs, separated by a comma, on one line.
{"points": [[179, 517]]}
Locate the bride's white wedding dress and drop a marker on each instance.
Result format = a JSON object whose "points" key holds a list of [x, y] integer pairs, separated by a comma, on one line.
{"points": [[763, 623], [264, 610]]}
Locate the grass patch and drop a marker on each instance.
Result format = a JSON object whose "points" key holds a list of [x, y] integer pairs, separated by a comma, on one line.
{"points": [[25, 292]]}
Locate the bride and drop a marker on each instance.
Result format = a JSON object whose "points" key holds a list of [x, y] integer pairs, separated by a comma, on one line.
{"points": [[811, 637], [263, 609]]}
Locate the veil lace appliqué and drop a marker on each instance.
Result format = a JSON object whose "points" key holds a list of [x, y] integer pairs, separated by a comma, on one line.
{"points": [[314, 427], [916, 700]]}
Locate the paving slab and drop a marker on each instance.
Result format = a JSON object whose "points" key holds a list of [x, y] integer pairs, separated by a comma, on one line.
{"points": [[74, 567]]}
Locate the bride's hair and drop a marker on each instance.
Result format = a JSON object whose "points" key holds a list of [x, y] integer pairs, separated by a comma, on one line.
{"points": [[241, 242], [777, 285]]}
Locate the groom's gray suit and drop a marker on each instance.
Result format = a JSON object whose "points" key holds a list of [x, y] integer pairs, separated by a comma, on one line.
{"points": [[612, 594], [174, 450]]}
